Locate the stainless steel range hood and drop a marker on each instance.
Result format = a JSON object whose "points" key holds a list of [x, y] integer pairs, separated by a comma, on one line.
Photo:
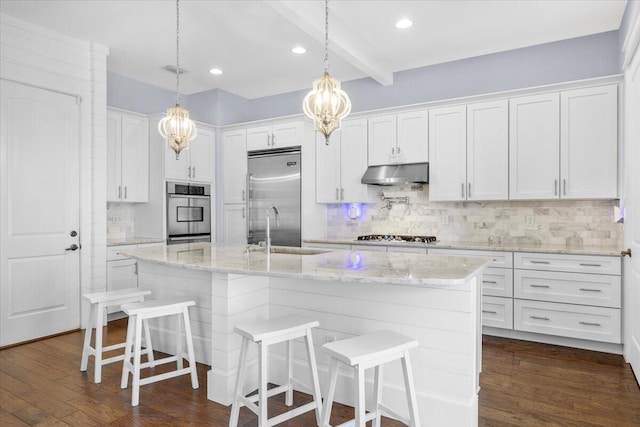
{"points": [[397, 174]]}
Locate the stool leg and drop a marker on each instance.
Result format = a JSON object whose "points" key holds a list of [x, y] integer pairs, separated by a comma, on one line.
{"points": [[411, 390], [126, 364], [360, 402], [135, 386], [179, 362], [86, 348], [190, 350], [97, 374], [235, 407], [288, 395], [262, 390], [377, 395], [317, 396], [147, 342], [326, 409]]}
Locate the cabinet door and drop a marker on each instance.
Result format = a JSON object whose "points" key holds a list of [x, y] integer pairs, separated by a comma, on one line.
{"points": [[382, 139], [589, 143], [328, 168], [176, 168], [353, 160], [234, 166], [235, 224], [114, 174], [259, 138], [447, 153], [121, 274], [202, 155], [488, 151], [135, 159], [287, 135], [534, 147], [413, 134]]}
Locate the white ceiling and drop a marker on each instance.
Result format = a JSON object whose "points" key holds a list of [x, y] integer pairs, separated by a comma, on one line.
{"points": [[252, 40]]}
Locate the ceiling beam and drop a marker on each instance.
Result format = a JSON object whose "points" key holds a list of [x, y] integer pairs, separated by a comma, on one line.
{"points": [[342, 41]]}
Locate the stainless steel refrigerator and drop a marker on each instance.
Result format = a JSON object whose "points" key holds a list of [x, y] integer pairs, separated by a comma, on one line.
{"points": [[274, 179]]}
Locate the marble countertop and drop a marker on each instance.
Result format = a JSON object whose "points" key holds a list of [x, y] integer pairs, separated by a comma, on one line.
{"points": [[347, 266], [132, 240], [485, 246]]}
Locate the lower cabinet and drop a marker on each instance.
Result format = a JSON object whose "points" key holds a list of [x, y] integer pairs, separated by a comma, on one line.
{"points": [[235, 224]]}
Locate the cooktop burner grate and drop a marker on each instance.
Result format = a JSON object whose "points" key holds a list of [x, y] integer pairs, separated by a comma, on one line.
{"points": [[398, 238]]}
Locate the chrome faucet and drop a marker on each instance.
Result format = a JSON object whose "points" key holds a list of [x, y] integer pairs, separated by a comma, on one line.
{"points": [[268, 236]]}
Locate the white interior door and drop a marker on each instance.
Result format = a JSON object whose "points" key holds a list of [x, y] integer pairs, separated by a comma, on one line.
{"points": [[39, 209], [632, 220]]}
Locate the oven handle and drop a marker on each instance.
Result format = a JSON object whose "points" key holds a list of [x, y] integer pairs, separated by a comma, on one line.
{"points": [[194, 237], [188, 196]]}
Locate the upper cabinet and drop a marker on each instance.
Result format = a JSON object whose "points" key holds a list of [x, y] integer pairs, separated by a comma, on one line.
{"points": [[234, 166], [275, 136], [196, 162], [564, 145], [447, 151], [400, 138], [341, 164], [127, 157]]}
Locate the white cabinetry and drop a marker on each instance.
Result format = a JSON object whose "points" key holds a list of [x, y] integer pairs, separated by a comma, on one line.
{"points": [[398, 138], [235, 224], [447, 153], [275, 136], [196, 162], [234, 166], [341, 164], [127, 157]]}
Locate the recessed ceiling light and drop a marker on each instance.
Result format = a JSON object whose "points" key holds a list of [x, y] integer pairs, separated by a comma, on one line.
{"points": [[215, 71], [298, 50], [404, 24]]}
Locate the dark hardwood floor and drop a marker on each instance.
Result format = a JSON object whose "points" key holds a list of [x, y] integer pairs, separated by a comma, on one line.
{"points": [[523, 384]]}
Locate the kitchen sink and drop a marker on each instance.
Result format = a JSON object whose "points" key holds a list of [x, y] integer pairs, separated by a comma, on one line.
{"points": [[296, 251]]}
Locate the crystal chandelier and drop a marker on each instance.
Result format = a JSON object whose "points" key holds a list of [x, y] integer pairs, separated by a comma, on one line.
{"points": [[176, 127], [326, 104]]}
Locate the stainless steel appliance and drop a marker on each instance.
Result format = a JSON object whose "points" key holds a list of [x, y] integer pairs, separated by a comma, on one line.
{"points": [[188, 213], [274, 180], [397, 174]]}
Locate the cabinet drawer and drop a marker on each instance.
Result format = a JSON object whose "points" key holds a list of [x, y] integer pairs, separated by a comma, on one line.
{"points": [[371, 248], [574, 288], [334, 246], [500, 259], [497, 282], [572, 263], [407, 249], [497, 312], [112, 252], [567, 320]]}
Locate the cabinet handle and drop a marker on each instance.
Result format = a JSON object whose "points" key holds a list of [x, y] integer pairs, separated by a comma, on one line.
{"points": [[243, 195], [398, 150], [119, 192], [125, 192], [539, 262], [469, 190], [273, 139], [564, 186], [586, 264], [342, 194], [462, 190], [189, 171], [539, 286], [539, 317], [590, 323], [193, 172], [490, 281], [489, 311], [590, 290], [393, 150], [337, 194], [135, 268], [268, 140], [243, 212], [555, 187]]}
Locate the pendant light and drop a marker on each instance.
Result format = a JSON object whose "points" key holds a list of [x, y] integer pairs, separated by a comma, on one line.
{"points": [[176, 127], [327, 104]]}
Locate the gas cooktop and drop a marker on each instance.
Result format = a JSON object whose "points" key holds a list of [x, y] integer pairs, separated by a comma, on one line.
{"points": [[398, 238]]}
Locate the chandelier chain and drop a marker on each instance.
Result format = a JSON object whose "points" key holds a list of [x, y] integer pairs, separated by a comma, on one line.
{"points": [[326, 36], [177, 51]]}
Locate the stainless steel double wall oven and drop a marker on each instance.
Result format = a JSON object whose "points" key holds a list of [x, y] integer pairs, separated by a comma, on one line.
{"points": [[188, 213]]}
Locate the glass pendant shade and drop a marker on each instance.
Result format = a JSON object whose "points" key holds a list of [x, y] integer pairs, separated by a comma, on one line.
{"points": [[326, 104], [177, 128]]}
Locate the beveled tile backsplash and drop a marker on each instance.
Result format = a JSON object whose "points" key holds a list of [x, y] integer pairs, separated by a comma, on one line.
{"points": [[120, 218], [572, 222]]}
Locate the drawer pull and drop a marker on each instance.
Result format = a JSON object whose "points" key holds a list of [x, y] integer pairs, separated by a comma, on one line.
{"points": [[590, 323], [539, 317], [490, 281], [539, 286], [539, 262], [585, 264], [489, 311], [590, 290]]}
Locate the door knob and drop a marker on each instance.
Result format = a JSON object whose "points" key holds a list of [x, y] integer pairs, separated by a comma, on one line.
{"points": [[626, 252], [73, 233], [73, 247]]}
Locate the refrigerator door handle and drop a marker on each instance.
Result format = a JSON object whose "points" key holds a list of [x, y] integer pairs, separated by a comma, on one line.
{"points": [[247, 217]]}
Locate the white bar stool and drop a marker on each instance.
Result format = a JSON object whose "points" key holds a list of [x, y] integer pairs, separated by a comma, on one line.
{"points": [[99, 302], [138, 314], [266, 333], [367, 351]]}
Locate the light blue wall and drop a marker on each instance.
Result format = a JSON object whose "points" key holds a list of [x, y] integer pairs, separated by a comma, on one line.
{"points": [[631, 15], [574, 59]]}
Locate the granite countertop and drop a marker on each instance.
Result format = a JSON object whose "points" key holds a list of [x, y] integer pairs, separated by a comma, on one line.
{"points": [[484, 246], [346, 266], [133, 240]]}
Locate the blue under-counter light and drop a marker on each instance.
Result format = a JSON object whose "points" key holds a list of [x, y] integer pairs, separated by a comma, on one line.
{"points": [[354, 210], [354, 261]]}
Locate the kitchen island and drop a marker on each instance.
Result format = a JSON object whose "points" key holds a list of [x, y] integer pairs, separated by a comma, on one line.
{"points": [[433, 298]]}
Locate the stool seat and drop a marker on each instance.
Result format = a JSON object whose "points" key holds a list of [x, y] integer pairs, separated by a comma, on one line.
{"points": [[99, 302], [138, 313], [368, 351], [265, 333]]}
